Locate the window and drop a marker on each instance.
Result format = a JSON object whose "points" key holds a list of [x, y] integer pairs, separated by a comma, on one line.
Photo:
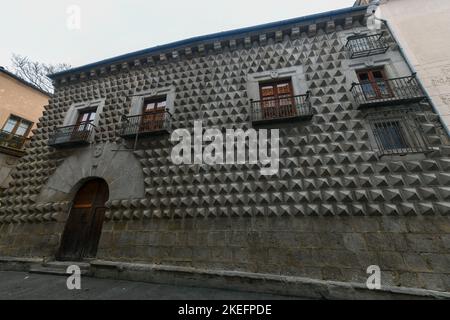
{"points": [[86, 116], [277, 99], [390, 135], [153, 114], [85, 119], [17, 126], [374, 84], [150, 114], [155, 104], [397, 132]]}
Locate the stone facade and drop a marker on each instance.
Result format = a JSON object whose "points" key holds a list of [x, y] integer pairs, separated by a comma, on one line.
{"points": [[334, 208]]}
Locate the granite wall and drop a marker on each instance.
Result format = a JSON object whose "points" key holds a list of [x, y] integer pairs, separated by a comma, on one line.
{"points": [[334, 208]]}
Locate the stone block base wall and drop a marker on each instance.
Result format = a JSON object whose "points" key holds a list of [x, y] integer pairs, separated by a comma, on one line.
{"points": [[411, 251], [30, 240]]}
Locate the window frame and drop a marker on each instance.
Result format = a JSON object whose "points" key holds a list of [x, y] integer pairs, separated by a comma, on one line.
{"points": [[82, 112], [411, 131], [19, 120], [279, 105], [81, 126], [155, 100], [75, 109], [296, 74], [402, 136], [373, 82], [275, 84], [139, 97], [154, 118]]}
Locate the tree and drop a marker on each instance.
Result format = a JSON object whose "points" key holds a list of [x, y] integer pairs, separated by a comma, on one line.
{"points": [[36, 72]]}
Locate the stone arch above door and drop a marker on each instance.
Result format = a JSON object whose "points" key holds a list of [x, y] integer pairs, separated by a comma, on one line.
{"points": [[120, 169]]}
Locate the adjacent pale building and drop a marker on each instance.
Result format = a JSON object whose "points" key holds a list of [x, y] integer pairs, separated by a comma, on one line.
{"points": [[422, 29], [21, 106]]}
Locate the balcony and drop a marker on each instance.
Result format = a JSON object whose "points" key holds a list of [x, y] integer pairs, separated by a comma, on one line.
{"points": [[281, 109], [364, 46], [12, 143], [387, 92], [154, 123], [72, 136]]}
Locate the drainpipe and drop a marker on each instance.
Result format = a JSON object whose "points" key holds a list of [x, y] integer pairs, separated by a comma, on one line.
{"points": [[410, 65]]}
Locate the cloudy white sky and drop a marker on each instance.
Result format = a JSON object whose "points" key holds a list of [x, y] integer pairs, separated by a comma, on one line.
{"points": [[38, 29]]}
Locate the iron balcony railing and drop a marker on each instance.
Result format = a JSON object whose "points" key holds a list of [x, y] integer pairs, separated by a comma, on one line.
{"points": [[366, 45], [146, 124], [279, 109], [12, 141], [387, 92], [74, 135]]}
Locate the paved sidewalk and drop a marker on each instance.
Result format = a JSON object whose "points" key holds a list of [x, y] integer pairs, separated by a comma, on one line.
{"points": [[24, 286]]}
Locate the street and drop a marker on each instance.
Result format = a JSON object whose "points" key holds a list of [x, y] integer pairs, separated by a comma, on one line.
{"points": [[24, 286]]}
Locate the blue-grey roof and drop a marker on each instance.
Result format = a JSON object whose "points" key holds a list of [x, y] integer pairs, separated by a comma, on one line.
{"points": [[208, 38]]}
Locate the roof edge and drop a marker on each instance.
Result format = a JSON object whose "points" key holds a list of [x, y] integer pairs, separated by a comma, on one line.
{"points": [[25, 82], [205, 38]]}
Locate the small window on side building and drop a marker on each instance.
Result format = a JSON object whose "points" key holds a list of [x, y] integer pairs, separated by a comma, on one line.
{"points": [[17, 126]]}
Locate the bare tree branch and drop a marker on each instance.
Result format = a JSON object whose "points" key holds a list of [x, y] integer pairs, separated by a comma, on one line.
{"points": [[35, 72]]}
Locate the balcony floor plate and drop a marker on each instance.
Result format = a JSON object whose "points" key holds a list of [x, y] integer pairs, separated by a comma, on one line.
{"points": [[287, 119], [368, 53], [144, 134], [68, 144], [378, 103]]}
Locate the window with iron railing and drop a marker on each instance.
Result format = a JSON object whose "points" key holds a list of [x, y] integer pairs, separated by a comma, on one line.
{"points": [[155, 118], [375, 89], [77, 134], [397, 133], [366, 45], [279, 103], [15, 132], [68, 136], [146, 124], [17, 126]]}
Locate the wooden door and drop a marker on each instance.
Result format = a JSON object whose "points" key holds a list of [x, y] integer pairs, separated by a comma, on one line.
{"points": [[153, 115], [374, 84], [277, 100], [83, 228]]}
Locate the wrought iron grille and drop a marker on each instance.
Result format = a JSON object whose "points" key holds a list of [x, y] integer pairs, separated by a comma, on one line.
{"points": [[281, 108], [12, 141], [386, 92], [144, 124], [72, 135], [399, 134], [366, 45]]}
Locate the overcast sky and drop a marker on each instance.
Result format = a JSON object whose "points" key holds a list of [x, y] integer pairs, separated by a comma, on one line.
{"points": [[46, 31]]}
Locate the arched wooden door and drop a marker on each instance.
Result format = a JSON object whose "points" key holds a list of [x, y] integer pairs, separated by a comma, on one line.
{"points": [[84, 226]]}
